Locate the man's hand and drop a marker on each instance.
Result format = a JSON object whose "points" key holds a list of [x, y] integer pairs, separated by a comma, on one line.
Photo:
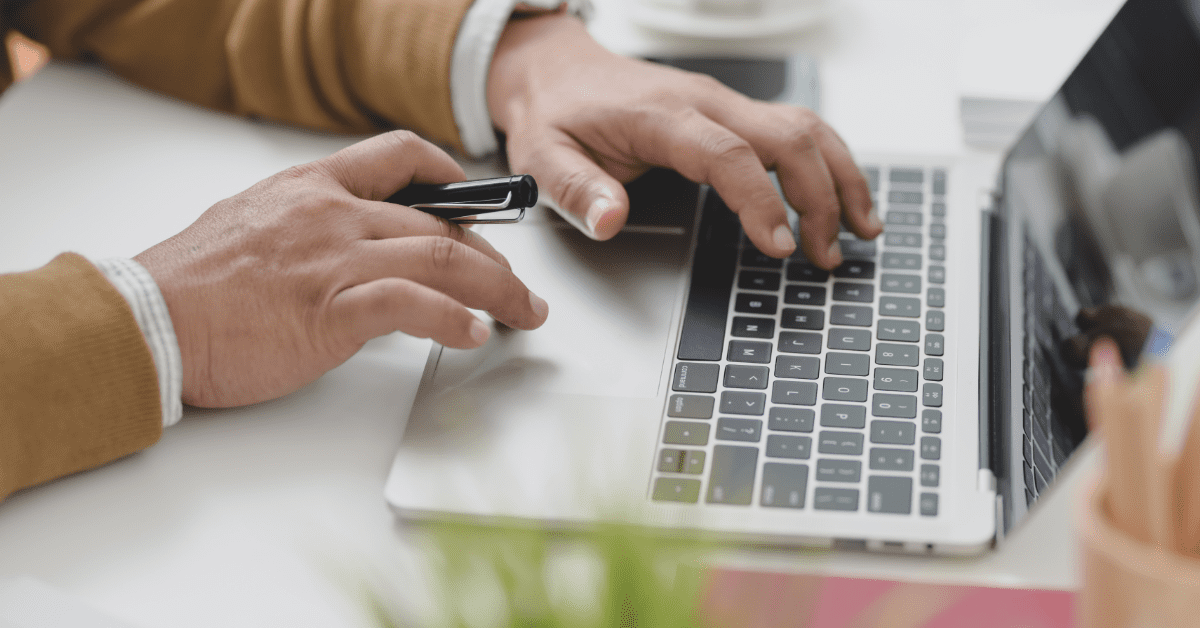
{"points": [[582, 120], [270, 289]]}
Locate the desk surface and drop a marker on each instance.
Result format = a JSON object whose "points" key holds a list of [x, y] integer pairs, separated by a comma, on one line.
{"points": [[264, 516]]}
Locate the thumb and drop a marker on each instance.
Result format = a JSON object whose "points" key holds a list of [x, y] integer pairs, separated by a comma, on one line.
{"points": [[376, 168], [586, 195]]}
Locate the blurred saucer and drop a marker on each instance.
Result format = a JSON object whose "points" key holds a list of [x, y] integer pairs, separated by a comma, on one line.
{"points": [[682, 19]]}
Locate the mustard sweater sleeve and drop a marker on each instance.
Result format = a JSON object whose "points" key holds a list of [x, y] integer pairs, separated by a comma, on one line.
{"points": [[78, 387], [338, 65]]}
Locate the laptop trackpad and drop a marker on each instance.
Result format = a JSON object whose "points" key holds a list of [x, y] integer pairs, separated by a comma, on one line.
{"points": [[612, 306]]}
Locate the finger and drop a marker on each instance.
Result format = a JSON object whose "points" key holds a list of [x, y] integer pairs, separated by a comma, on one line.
{"points": [[1105, 379], [707, 152], [387, 220], [590, 198], [376, 168], [380, 307], [458, 271]]}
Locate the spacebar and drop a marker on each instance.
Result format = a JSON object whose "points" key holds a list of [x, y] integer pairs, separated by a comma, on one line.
{"points": [[702, 336]]}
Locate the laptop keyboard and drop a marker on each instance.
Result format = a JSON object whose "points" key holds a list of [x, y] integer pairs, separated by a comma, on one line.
{"points": [[796, 387]]}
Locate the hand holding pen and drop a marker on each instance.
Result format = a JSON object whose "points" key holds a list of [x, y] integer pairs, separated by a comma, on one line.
{"points": [[465, 201]]}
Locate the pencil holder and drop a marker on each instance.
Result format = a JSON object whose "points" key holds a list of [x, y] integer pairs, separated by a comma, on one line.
{"points": [[1127, 583]]}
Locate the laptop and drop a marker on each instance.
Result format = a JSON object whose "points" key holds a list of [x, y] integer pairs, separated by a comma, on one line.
{"points": [[918, 398]]}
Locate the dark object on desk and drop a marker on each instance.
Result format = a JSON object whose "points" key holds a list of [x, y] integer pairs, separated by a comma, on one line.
{"points": [[1128, 328], [461, 202], [792, 79]]}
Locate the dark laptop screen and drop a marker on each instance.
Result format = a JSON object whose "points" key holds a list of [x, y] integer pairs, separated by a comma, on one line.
{"points": [[1098, 228]]}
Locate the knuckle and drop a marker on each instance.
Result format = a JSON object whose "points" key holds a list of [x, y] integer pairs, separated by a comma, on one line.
{"points": [[801, 139], [401, 138], [573, 188], [443, 254]]}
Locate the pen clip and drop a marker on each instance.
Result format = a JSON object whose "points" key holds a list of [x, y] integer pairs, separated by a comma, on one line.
{"points": [[479, 206]]}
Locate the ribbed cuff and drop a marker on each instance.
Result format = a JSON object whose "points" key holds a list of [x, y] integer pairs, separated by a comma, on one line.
{"points": [[134, 283], [473, 51]]}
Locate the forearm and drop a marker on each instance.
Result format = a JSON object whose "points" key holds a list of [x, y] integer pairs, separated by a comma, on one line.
{"points": [[325, 64], [78, 386]]}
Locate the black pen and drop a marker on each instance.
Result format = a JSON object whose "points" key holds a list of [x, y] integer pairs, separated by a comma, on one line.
{"points": [[462, 202]]}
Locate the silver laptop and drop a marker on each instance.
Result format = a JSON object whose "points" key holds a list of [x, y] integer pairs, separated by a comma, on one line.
{"points": [[918, 398]]}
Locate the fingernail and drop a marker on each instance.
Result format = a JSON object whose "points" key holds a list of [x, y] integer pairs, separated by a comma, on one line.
{"points": [[539, 305], [599, 208], [783, 238], [873, 218], [479, 332], [835, 253], [1105, 364]]}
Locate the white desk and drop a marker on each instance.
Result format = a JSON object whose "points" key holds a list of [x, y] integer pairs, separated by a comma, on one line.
{"points": [[255, 516]]}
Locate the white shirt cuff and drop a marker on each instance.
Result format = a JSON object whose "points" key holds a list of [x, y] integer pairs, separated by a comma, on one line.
{"points": [[473, 50], [134, 283]]}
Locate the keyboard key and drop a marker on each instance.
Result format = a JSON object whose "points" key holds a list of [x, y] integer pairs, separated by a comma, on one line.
{"points": [[855, 269], [731, 476], [937, 252], [896, 355], [835, 498], [930, 476], [799, 342], [844, 389], [931, 448], [890, 459], [747, 327], [907, 307], [802, 318], [901, 238], [931, 421], [758, 280], [749, 430], [676, 490], [785, 446], [847, 364], [937, 231], [931, 395], [901, 261], [843, 443], [905, 198], [937, 274], [894, 406], [938, 209], [690, 406], [837, 415], [896, 380], [753, 257], [836, 470], [933, 369], [853, 248], [906, 175], [939, 181], [893, 282], [804, 295], [797, 367], [754, 303], [896, 329], [936, 297], [904, 219], [934, 344], [702, 334], [746, 376], [889, 495], [805, 271], [935, 320], [791, 419], [749, 351], [692, 377], [893, 433], [686, 433], [928, 504], [693, 462], [851, 339], [784, 485], [856, 292], [670, 460], [856, 315], [738, 402], [794, 393]]}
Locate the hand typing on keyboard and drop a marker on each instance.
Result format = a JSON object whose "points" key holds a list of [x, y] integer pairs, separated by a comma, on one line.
{"points": [[581, 120]]}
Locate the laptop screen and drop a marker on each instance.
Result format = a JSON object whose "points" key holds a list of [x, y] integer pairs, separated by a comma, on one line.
{"points": [[1098, 229]]}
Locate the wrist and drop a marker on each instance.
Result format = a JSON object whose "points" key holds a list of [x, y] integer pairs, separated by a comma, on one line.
{"points": [[531, 47]]}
